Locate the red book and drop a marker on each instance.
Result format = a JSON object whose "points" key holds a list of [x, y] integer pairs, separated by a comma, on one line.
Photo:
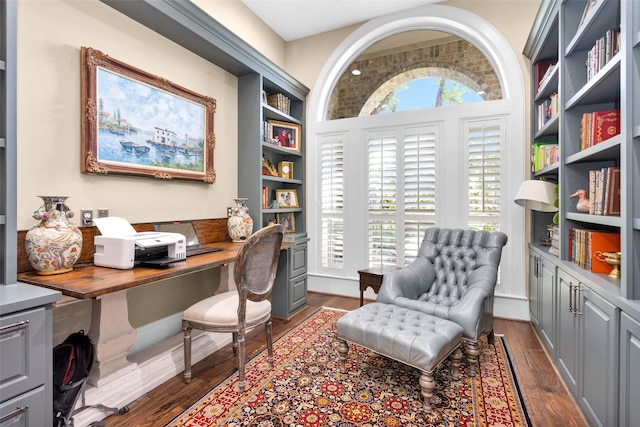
{"points": [[602, 241], [606, 124]]}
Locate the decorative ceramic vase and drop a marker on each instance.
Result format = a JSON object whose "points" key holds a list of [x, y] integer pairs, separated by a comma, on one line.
{"points": [[240, 224], [54, 245]]}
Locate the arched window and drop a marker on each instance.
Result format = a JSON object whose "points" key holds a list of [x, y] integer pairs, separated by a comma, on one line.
{"points": [[445, 157]]}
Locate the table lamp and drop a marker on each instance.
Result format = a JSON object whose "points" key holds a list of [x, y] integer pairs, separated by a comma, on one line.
{"points": [[536, 195]]}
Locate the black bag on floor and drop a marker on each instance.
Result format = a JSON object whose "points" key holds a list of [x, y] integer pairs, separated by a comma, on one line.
{"points": [[72, 363]]}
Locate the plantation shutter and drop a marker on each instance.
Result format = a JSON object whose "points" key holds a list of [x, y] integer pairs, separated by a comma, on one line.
{"points": [[382, 198], [332, 200], [484, 173]]}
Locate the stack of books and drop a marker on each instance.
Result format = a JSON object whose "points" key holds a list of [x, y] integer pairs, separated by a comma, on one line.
{"points": [[598, 126], [543, 71], [604, 191], [279, 102], [583, 244]]}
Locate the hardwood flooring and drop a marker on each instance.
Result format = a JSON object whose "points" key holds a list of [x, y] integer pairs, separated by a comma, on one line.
{"points": [[546, 398]]}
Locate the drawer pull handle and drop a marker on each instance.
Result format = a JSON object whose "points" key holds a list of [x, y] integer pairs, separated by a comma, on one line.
{"points": [[13, 414], [17, 325]]}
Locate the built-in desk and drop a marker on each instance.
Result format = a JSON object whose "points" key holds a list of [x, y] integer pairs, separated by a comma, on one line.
{"points": [[110, 329]]}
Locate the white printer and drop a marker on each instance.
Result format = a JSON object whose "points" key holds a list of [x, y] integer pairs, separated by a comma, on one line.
{"points": [[120, 246]]}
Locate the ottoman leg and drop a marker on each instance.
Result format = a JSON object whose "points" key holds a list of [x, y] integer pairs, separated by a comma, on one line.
{"points": [[343, 351], [427, 385], [456, 358], [471, 348]]}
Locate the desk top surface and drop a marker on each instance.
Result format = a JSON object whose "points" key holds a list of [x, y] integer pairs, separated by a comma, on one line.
{"points": [[90, 281]]}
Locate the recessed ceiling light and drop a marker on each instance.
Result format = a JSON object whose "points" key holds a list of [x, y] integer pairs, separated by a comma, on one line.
{"points": [[356, 72]]}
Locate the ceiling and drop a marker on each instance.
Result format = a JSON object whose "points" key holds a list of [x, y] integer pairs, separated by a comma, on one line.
{"points": [[296, 19]]}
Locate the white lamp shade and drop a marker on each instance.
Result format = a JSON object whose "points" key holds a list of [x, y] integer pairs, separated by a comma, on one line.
{"points": [[537, 195]]}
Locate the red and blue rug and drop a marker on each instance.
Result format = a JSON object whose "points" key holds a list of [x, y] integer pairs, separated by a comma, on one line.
{"points": [[305, 388]]}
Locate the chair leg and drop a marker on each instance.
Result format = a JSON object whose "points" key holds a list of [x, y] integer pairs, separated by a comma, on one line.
{"points": [[343, 351], [267, 327], [471, 349], [234, 339], [427, 385], [491, 337], [456, 357], [241, 356], [187, 353]]}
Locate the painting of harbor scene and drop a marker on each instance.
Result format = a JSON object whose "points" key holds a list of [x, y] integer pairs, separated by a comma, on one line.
{"points": [[145, 125]]}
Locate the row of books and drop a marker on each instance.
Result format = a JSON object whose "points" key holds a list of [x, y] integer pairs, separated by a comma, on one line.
{"points": [[598, 126], [547, 110], [602, 51], [604, 191], [280, 102], [543, 71], [583, 245], [544, 154]]}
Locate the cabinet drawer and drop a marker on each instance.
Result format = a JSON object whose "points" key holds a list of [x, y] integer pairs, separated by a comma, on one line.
{"points": [[298, 294], [26, 410], [298, 260], [23, 351]]}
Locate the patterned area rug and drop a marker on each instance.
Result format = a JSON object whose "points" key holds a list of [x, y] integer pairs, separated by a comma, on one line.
{"points": [[305, 388]]}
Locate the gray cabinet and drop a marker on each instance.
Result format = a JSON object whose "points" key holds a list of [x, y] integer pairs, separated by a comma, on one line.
{"points": [[542, 297], [568, 329], [598, 350], [629, 371], [290, 290], [534, 288]]}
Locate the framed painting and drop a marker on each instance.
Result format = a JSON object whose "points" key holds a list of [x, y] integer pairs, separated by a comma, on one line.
{"points": [[135, 123], [285, 135]]}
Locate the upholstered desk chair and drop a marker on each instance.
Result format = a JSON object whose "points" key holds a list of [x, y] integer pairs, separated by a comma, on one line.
{"points": [[453, 277], [236, 312]]}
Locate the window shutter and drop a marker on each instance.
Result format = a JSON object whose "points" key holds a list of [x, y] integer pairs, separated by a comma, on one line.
{"points": [[332, 200], [484, 174], [382, 198]]}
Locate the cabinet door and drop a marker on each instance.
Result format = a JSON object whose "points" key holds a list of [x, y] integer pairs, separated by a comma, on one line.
{"points": [[629, 372], [534, 264], [598, 381], [547, 305], [23, 351], [26, 410], [568, 330]]}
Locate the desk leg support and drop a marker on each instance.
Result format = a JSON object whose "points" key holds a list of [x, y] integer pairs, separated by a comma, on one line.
{"points": [[112, 336]]}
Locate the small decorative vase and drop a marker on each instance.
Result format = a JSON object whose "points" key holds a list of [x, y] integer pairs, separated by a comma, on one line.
{"points": [[54, 245], [240, 224]]}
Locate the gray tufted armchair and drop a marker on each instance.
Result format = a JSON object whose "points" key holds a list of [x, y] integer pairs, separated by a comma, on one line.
{"points": [[453, 277]]}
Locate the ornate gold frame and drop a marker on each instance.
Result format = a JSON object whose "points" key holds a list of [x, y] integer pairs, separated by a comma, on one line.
{"points": [[91, 162]]}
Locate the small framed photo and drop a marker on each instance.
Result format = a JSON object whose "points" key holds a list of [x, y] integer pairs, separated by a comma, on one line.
{"points": [[287, 220], [285, 170], [287, 198], [285, 135]]}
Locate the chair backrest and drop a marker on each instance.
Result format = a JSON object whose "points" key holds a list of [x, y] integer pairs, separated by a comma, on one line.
{"points": [[257, 262], [455, 255]]}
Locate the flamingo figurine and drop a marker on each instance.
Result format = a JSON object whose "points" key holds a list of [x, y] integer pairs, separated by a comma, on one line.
{"points": [[583, 202]]}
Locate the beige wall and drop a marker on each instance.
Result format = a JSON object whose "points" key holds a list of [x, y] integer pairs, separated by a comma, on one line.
{"points": [[50, 34]]}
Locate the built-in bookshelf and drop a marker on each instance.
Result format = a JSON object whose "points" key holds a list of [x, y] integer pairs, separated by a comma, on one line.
{"points": [[586, 307]]}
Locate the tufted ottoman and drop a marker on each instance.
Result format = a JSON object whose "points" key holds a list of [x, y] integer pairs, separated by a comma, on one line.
{"points": [[411, 337]]}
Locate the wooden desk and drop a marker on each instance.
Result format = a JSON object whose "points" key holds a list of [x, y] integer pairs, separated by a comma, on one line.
{"points": [[372, 277], [110, 329]]}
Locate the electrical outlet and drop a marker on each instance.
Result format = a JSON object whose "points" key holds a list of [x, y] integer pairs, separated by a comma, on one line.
{"points": [[86, 216], [103, 213]]}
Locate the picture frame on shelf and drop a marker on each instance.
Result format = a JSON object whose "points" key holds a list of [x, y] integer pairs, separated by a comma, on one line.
{"points": [[285, 135], [285, 170], [287, 220], [287, 198], [124, 130]]}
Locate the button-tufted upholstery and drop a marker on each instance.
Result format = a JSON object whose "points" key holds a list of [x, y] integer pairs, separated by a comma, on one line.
{"points": [[411, 337], [453, 277]]}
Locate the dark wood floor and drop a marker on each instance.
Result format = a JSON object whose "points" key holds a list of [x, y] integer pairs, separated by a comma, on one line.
{"points": [[545, 396]]}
